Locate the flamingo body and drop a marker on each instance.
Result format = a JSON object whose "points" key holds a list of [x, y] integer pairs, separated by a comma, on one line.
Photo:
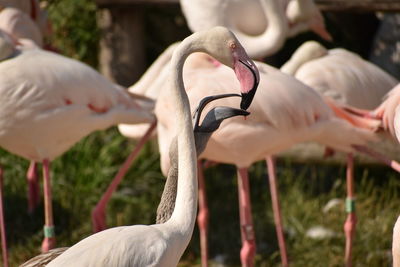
{"points": [[49, 102], [340, 74]]}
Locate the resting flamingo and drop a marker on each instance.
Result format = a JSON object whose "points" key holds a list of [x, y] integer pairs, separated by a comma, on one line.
{"points": [[50, 102], [163, 244], [340, 74], [279, 120], [261, 25]]}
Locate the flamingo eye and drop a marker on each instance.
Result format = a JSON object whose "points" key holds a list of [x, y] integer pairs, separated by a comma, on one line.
{"points": [[232, 45]]}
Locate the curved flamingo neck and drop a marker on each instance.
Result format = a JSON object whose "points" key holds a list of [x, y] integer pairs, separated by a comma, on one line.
{"points": [[184, 216], [272, 39]]}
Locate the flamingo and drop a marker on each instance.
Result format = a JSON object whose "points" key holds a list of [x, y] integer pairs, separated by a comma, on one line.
{"points": [[279, 120], [163, 244], [149, 85], [49, 102], [261, 25], [340, 74]]}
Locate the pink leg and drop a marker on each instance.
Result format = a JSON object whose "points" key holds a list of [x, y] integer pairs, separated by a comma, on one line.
{"points": [[350, 224], [248, 250], [277, 210], [98, 213], [33, 187], [49, 241], [2, 224], [202, 217]]}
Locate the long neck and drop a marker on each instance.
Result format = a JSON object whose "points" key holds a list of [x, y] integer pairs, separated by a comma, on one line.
{"points": [[148, 78], [168, 197], [272, 39], [301, 56], [184, 215], [396, 244]]}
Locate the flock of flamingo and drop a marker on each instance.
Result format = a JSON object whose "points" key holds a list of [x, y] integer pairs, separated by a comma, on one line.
{"points": [[49, 102]]}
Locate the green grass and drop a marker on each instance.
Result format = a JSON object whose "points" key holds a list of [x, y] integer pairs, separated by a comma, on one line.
{"points": [[81, 175]]}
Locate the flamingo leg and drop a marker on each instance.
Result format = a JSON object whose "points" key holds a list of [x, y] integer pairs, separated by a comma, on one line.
{"points": [[202, 217], [49, 240], [98, 213], [2, 223], [33, 187], [350, 224], [248, 251], [277, 210]]}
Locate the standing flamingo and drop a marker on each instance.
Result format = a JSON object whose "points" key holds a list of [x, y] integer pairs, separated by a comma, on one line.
{"points": [[163, 244], [149, 85], [260, 25], [50, 102], [340, 74], [285, 112]]}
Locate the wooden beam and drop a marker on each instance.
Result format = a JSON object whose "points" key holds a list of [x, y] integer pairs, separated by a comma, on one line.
{"points": [[324, 5], [359, 5], [104, 3]]}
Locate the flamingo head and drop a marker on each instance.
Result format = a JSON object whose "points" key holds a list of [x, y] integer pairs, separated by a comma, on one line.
{"points": [[232, 54]]}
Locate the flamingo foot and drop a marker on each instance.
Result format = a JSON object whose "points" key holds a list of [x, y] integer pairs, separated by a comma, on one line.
{"points": [[99, 219], [33, 187]]}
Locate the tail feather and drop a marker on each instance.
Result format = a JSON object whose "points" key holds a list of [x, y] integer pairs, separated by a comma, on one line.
{"points": [[357, 117]]}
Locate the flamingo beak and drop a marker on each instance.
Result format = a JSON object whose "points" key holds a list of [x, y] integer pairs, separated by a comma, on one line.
{"points": [[203, 103], [249, 78]]}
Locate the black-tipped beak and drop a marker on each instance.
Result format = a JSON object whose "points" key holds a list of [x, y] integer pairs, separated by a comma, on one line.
{"points": [[216, 116], [247, 98], [203, 103]]}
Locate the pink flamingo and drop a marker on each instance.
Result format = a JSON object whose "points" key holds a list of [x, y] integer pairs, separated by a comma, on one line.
{"points": [[278, 121], [340, 74], [150, 84], [49, 102], [261, 25]]}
